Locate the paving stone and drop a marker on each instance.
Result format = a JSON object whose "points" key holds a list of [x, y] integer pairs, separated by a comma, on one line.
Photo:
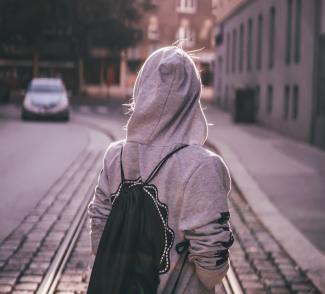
{"points": [[301, 287], [244, 270], [8, 246], [271, 275], [35, 238], [288, 267], [29, 247], [8, 281], [259, 261], [35, 271], [13, 267], [71, 278], [274, 283], [72, 286], [5, 254], [42, 259], [280, 290], [309, 292], [74, 271], [31, 219], [255, 291], [19, 260], [27, 286], [250, 285], [5, 289], [249, 278], [297, 279], [262, 254], [41, 265], [11, 274], [31, 278]]}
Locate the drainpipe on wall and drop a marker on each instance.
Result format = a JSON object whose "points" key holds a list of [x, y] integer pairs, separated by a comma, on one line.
{"points": [[101, 72], [35, 63], [80, 75], [123, 73], [318, 10]]}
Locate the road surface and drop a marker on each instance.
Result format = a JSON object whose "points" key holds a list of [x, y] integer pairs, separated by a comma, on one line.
{"points": [[33, 155]]}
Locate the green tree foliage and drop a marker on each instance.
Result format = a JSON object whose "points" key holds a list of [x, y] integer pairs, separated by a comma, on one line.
{"points": [[112, 24]]}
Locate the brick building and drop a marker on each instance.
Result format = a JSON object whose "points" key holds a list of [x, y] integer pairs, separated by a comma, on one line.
{"points": [[173, 20], [101, 73]]}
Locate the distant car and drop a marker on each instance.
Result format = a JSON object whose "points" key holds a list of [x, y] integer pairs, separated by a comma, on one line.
{"points": [[4, 92], [46, 98]]}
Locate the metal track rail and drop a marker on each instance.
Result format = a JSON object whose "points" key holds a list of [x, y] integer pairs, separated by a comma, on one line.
{"points": [[49, 283], [52, 277], [56, 268], [231, 283]]}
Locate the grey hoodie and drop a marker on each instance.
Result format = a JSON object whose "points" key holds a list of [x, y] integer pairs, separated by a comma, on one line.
{"points": [[194, 183]]}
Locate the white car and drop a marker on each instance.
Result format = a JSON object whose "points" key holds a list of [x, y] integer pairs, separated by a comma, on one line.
{"points": [[46, 98]]}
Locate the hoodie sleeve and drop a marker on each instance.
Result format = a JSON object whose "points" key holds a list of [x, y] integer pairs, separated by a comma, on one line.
{"points": [[99, 207], [204, 220]]}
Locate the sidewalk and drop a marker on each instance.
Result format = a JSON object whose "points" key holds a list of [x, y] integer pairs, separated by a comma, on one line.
{"points": [[283, 181]]}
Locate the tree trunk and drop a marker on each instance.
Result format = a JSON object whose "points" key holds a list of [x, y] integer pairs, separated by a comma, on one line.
{"points": [[81, 81], [35, 63], [123, 73]]}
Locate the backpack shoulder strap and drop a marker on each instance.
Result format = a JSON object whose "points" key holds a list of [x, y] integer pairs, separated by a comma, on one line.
{"points": [[161, 163], [121, 165]]}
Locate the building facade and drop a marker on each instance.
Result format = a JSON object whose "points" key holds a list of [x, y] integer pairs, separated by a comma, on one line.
{"points": [[275, 48], [103, 73], [190, 21]]}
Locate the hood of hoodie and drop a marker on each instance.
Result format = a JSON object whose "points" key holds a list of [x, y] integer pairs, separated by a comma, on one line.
{"points": [[167, 108]]}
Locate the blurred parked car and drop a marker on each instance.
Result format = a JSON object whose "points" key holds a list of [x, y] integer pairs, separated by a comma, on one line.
{"points": [[4, 92], [46, 98]]}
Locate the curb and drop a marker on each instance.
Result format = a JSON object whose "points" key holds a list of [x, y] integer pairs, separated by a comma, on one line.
{"points": [[301, 250]]}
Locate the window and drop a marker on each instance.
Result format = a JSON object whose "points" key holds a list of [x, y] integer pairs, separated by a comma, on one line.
{"points": [[153, 30], [220, 61], [259, 42], [257, 98], [234, 50], [226, 99], [286, 102], [188, 35], [269, 104], [241, 48], [297, 31], [249, 44], [186, 6], [153, 47], [295, 102], [271, 37], [219, 69], [228, 53], [288, 34], [133, 53]]}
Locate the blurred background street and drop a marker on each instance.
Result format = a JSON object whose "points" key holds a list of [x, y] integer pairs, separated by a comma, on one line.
{"points": [[66, 68]]}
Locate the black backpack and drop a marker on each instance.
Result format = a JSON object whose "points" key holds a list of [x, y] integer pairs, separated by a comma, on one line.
{"points": [[136, 241]]}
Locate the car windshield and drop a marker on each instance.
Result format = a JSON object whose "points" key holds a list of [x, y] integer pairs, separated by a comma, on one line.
{"points": [[46, 88]]}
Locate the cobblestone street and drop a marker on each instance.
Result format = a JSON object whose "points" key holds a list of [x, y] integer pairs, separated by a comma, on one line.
{"points": [[26, 255], [260, 263], [162, 146], [76, 274]]}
